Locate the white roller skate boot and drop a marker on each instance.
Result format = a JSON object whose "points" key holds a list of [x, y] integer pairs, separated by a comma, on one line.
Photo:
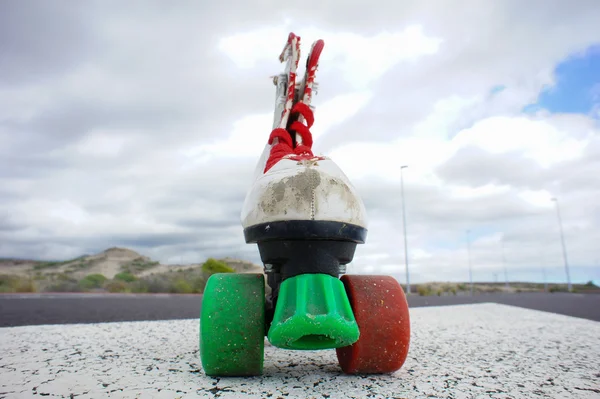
{"points": [[297, 196], [306, 218]]}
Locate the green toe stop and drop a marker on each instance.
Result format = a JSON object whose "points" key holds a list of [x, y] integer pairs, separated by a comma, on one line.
{"points": [[313, 312]]}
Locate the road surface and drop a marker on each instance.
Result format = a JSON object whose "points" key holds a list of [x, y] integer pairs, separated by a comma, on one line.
{"points": [[458, 352], [38, 309]]}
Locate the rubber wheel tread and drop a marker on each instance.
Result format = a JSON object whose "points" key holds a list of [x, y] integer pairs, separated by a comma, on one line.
{"points": [[381, 312], [232, 325]]}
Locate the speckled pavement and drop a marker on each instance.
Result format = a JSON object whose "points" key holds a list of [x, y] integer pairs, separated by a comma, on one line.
{"points": [[466, 351]]}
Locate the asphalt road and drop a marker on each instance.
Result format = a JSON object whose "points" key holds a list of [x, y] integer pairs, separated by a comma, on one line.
{"points": [[36, 309]]}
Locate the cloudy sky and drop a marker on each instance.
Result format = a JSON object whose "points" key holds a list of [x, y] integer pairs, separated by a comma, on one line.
{"points": [[139, 124]]}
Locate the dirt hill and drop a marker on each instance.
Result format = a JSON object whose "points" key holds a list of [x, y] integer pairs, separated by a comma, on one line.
{"points": [[108, 263]]}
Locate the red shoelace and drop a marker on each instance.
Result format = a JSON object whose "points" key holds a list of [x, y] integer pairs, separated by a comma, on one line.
{"points": [[285, 145]]}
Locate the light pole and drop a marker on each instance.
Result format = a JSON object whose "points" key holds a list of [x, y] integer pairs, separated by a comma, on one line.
{"points": [[545, 279], [404, 227], [564, 247], [542, 263], [504, 266], [469, 258]]}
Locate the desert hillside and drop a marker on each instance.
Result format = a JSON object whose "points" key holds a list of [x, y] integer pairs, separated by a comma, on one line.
{"points": [[124, 270], [239, 266], [109, 263]]}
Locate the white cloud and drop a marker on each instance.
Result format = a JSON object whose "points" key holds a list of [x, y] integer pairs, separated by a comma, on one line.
{"points": [[536, 139], [361, 59], [548, 141], [539, 198], [248, 138], [250, 134], [100, 144], [142, 128], [465, 192], [337, 110]]}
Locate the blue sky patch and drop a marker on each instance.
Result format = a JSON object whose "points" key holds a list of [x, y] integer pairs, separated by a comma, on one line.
{"points": [[497, 89], [577, 85]]}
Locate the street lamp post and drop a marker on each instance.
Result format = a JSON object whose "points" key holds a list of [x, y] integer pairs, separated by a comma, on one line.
{"points": [[564, 247], [545, 279], [504, 266], [542, 263], [404, 228], [469, 258]]}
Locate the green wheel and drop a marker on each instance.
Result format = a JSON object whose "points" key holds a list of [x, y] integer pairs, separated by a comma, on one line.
{"points": [[232, 325]]}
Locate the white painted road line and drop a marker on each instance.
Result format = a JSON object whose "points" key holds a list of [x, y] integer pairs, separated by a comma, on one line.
{"points": [[466, 351]]}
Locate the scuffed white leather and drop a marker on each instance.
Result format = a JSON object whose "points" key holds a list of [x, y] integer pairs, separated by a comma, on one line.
{"points": [[303, 190]]}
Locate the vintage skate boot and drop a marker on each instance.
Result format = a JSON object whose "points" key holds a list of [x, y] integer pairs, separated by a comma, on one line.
{"points": [[306, 218]]}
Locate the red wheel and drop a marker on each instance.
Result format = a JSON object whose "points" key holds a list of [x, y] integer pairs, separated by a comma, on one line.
{"points": [[381, 312]]}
